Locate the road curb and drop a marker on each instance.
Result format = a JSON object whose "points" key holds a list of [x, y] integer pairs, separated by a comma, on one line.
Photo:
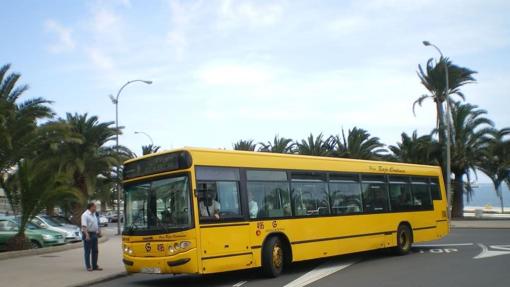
{"points": [[22, 253], [100, 280]]}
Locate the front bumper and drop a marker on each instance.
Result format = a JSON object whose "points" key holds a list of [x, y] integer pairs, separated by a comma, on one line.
{"points": [[185, 262], [73, 239]]}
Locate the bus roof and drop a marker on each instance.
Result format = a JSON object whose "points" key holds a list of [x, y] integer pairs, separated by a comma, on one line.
{"points": [[202, 156]]}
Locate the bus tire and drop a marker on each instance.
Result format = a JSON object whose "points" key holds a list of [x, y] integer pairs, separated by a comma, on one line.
{"points": [[404, 239], [273, 257]]}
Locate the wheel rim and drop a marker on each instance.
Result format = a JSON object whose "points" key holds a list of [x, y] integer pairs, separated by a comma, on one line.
{"points": [[34, 245], [404, 242], [277, 256]]}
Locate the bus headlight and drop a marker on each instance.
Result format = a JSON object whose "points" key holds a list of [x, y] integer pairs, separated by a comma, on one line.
{"points": [[171, 249], [128, 250], [184, 244]]}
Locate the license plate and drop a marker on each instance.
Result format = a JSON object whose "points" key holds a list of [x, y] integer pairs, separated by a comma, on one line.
{"points": [[151, 270]]}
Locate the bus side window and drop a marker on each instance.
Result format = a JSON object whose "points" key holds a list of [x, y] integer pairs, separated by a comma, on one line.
{"points": [[310, 198], [268, 199], [421, 195], [401, 198], [375, 194], [434, 189], [345, 195]]}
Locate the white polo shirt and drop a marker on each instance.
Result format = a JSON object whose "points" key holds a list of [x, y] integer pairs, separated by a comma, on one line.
{"points": [[89, 221]]}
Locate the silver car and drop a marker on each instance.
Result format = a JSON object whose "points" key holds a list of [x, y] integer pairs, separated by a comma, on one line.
{"points": [[71, 232]]}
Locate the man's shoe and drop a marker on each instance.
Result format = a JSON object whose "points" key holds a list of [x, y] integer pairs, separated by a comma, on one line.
{"points": [[98, 269], [90, 269]]}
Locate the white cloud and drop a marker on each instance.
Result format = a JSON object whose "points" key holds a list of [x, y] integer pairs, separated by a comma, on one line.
{"points": [[348, 24], [99, 59], [234, 74], [236, 13], [63, 39]]}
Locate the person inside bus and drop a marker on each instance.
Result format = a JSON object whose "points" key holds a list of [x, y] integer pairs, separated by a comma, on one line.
{"points": [[252, 206], [208, 206]]}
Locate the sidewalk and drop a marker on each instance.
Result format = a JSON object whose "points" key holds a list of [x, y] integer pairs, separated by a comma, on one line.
{"points": [[481, 223], [64, 268]]}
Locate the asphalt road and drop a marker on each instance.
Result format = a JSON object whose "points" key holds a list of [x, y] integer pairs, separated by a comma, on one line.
{"points": [[467, 257]]}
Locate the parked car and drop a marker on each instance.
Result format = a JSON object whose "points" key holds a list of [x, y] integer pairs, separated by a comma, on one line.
{"points": [[112, 216], [38, 237], [103, 220], [66, 222], [72, 233], [62, 220]]}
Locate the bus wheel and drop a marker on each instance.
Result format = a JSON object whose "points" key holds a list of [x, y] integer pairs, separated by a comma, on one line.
{"points": [[273, 257], [404, 239]]}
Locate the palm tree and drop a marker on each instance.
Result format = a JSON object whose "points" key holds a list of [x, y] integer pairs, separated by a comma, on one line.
{"points": [[33, 183], [358, 144], [416, 149], [84, 161], [317, 146], [471, 131], [247, 145], [148, 149], [278, 145], [433, 79], [17, 119], [496, 160]]}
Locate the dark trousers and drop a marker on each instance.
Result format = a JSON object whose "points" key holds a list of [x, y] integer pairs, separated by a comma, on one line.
{"points": [[91, 250]]}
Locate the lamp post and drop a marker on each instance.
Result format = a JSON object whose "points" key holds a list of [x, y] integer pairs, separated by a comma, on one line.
{"points": [[147, 135], [115, 101], [448, 131]]}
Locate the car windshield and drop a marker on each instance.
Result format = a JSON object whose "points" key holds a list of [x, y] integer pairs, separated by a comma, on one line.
{"points": [[32, 226], [162, 204], [61, 220], [50, 221]]}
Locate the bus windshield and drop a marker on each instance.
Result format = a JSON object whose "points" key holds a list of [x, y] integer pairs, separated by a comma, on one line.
{"points": [[160, 205]]}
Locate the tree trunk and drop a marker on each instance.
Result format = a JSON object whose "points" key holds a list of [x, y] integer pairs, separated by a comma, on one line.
{"points": [[458, 197], [50, 208], [78, 207], [76, 212], [18, 242]]}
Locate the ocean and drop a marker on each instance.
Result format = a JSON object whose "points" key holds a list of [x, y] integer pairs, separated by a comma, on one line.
{"points": [[485, 194]]}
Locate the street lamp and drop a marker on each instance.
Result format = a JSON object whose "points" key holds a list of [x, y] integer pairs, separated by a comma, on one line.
{"points": [[115, 101], [147, 135], [448, 131]]}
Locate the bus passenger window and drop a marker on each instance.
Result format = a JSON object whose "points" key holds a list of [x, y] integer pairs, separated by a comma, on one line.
{"points": [[268, 199], [434, 189], [345, 197], [310, 198], [401, 198], [421, 194], [375, 195]]}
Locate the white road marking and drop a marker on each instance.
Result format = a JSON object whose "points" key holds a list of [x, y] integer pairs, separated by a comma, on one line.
{"points": [[444, 245], [239, 284], [486, 253], [319, 272]]}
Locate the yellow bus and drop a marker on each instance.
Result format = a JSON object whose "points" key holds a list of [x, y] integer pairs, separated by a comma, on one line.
{"points": [[200, 211]]}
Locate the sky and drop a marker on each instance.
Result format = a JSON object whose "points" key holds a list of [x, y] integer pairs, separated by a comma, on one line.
{"points": [[228, 70]]}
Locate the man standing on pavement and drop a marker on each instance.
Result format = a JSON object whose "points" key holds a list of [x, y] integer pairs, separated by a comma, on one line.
{"points": [[91, 232]]}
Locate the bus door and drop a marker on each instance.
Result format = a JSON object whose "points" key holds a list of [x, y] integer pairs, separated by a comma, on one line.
{"points": [[224, 235]]}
